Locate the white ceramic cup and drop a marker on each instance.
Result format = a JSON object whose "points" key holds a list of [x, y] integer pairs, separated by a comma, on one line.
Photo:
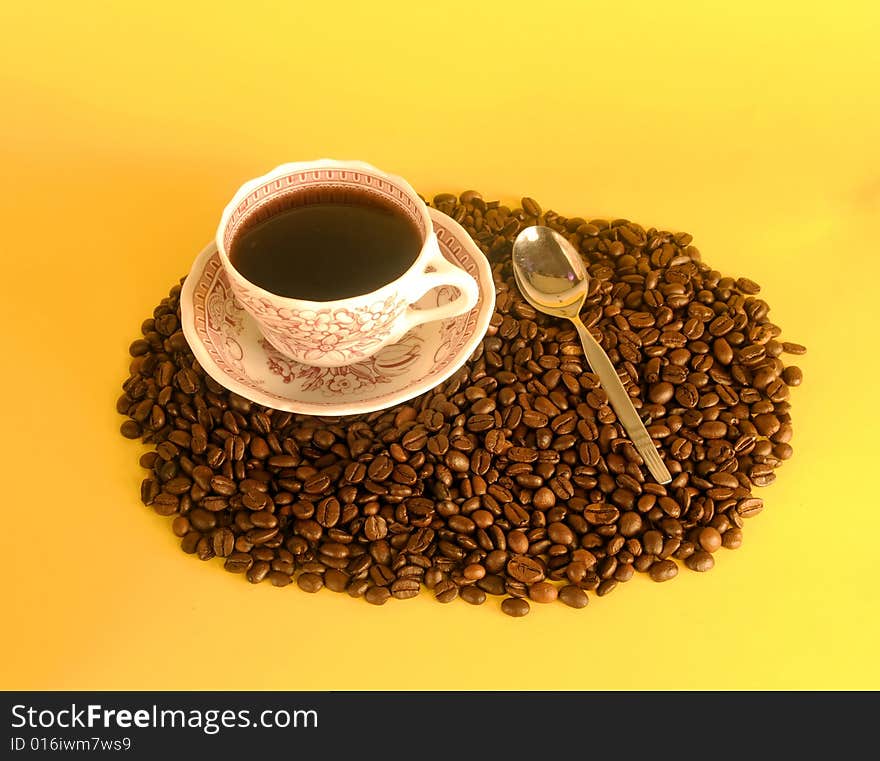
{"points": [[336, 333]]}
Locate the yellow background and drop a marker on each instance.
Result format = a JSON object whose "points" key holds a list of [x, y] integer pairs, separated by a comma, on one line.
{"points": [[125, 127]]}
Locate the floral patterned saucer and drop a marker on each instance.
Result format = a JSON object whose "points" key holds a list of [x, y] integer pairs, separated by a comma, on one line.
{"points": [[231, 349]]}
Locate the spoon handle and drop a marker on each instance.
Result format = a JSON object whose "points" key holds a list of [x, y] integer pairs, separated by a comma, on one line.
{"points": [[622, 404]]}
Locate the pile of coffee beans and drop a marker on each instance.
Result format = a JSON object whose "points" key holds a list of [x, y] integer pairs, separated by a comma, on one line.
{"points": [[513, 478]]}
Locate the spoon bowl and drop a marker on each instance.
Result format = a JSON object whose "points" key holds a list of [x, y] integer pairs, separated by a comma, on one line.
{"points": [[549, 272]]}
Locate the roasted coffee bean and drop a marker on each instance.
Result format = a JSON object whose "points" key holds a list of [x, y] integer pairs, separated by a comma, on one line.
{"points": [[328, 512], [189, 542], [525, 569], [415, 440], [543, 592], [355, 472], [522, 454], [404, 474], [700, 561], [710, 539], [457, 461], [766, 424], [531, 207], [721, 325], [573, 596], [460, 524], [261, 535], [433, 576], [661, 393], [380, 468], [281, 579], [223, 542], [258, 571], [652, 541], [492, 584], [732, 538], [334, 550], [336, 580], [139, 347], [381, 575], [472, 594], [747, 286], [375, 528], [445, 591], [543, 498], [150, 489], [576, 571], [223, 485], [358, 587], [762, 475], [181, 526], [405, 588], [474, 572], [130, 429], [420, 540], [494, 441], [377, 595], [283, 461], [714, 429], [204, 549], [202, 520], [317, 484], [263, 519], [534, 419], [480, 423], [518, 542], [663, 570], [722, 351], [559, 533], [749, 506], [601, 514], [238, 562], [687, 395], [497, 559], [630, 524], [516, 514], [515, 607]]}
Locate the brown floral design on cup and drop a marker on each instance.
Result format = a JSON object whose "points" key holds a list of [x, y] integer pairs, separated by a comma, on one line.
{"points": [[337, 333]]}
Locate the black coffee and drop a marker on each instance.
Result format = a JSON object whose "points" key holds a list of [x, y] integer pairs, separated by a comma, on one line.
{"points": [[327, 251]]}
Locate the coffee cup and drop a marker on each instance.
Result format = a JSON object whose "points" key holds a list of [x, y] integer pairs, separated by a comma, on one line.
{"points": [[303, 197]]}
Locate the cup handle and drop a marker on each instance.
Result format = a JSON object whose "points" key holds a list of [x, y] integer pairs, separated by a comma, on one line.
{"points": [[445, 273]]}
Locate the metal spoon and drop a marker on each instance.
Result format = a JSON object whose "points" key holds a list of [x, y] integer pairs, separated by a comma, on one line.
{"points": [[553, 279]]}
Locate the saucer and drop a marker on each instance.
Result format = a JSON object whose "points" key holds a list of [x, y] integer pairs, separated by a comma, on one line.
{"points": [[230, 347]]}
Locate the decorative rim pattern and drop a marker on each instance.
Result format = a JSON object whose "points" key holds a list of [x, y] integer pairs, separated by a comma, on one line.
{"points": [[303, 187]]}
